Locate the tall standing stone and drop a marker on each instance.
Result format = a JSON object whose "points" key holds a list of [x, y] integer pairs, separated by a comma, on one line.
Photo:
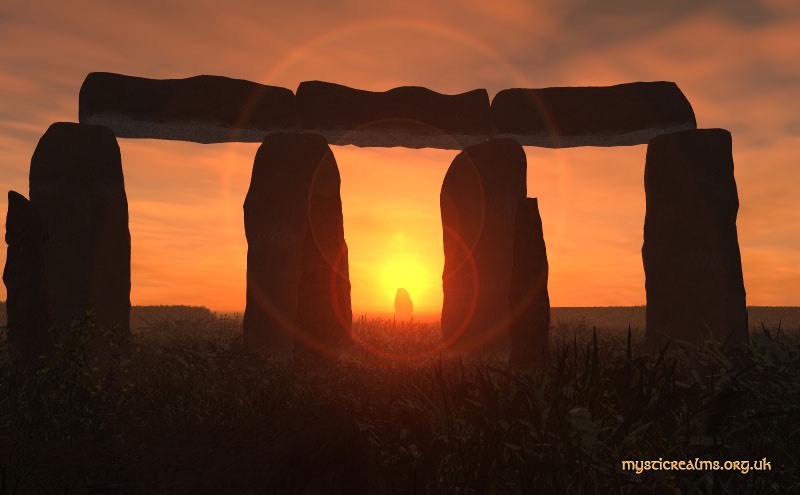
{"points": [[26, 304], [479, 199], [77, 185], [298, 288], [691, 256], [530, 303]]}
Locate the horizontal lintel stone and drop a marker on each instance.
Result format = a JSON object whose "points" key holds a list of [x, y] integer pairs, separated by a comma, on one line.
{"points": [[621, 115], [202, 109], [409, 116], [214, 109]]}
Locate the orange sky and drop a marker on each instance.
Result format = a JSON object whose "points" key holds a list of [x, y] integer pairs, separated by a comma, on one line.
{"points": [[735, 61]]}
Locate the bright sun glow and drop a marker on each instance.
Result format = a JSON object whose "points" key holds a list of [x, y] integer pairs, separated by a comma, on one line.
{"points": [[406, 272], [403, 269]]}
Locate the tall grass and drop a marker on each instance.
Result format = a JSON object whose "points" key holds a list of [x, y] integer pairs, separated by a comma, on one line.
{"points": [[435, 423]]}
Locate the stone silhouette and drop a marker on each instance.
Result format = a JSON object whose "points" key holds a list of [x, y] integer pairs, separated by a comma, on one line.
{"points": [[480, 195], [298, 283], [529, 329], [692, 265], [27, 309], [621, 115], [77, 186], [298, 288], [203, 109], [403, 307], [408, 116], [213, 109], [324, 314]]}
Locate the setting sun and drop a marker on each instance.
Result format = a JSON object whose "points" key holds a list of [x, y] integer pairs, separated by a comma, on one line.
{"points": [[404, 271]]}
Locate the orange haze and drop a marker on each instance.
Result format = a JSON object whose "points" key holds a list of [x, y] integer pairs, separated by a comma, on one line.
{"points": [[735, 61]]}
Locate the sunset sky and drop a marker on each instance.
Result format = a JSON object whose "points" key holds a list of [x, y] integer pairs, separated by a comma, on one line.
{"points": [[735, 60]]}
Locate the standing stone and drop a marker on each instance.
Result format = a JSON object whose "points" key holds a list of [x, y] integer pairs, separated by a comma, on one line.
{"points": [[403, 307], [324, 315], [77, 186], [479, 199], [26, 304], [530, 304], [691, 257], [298, 288]]}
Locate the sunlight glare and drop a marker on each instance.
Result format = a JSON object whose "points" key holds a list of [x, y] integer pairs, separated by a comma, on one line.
{"points": [[404, 270]]}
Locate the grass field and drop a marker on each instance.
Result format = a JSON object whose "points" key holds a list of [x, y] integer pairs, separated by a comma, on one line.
{"points": [[186, 410], [604, 318]]}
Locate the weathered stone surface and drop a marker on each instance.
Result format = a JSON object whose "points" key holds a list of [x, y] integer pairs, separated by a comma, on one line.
{"points": [[621, 115], [212, 109], [403, 307], [693, 269], [479, 199], [202, 109], [26, 304], [324, 315], [77, 186], [412, 117], [298, 289], [530, 303]]}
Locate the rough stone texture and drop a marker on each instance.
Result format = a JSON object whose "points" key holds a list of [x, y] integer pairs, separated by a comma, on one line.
{"points": [[693, 269], [621, 115], [203, 109], [324, 315], [77, 186], [26, 305], [298, 288], [212, 109], [479, 199], [403, 307], [530, 303], [412, 117]]}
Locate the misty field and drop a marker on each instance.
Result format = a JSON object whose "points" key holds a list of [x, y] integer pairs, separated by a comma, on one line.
{"points": [[186, 410]]}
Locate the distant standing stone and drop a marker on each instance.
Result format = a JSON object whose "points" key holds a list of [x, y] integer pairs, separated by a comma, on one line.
{"points": [[530, 303], [692, 264], [479, 199], [26, 304], [403, 307], [77, 186]]}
